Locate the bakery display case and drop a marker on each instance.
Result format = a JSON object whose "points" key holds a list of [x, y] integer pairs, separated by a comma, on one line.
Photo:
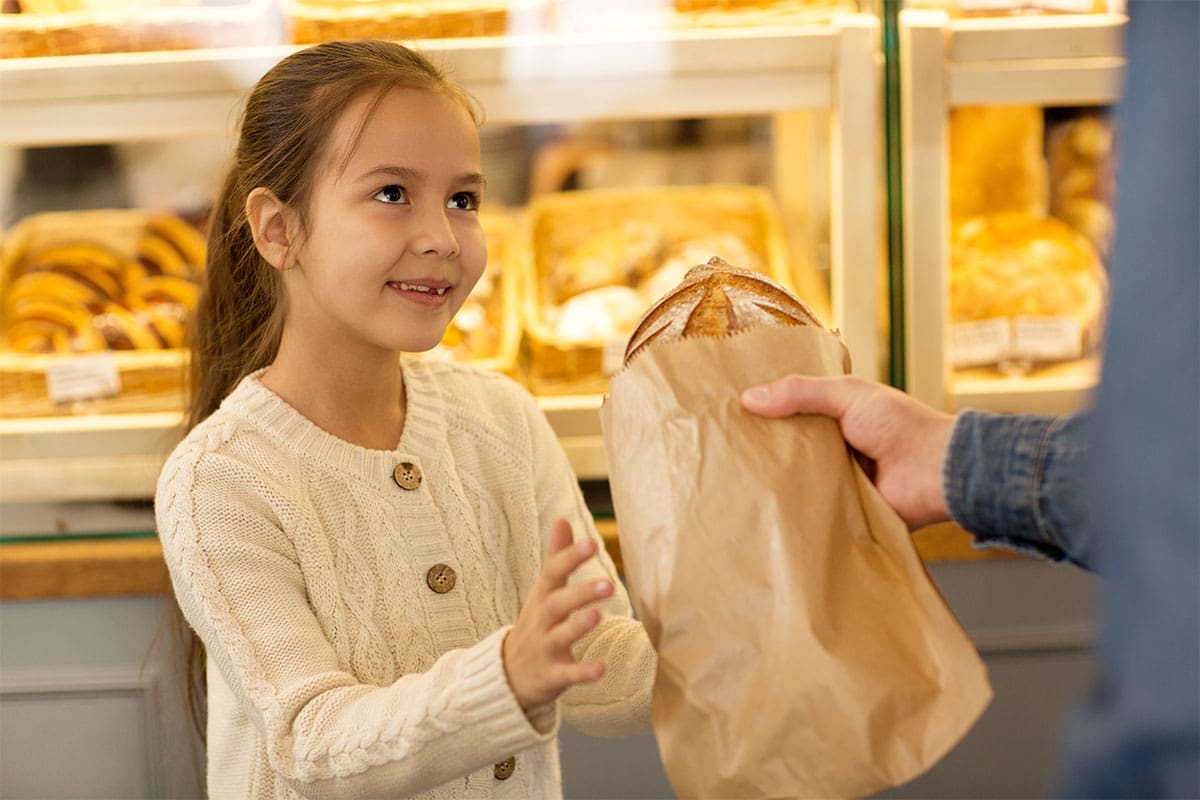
{"points": [[802, 76], [1008, 162]]}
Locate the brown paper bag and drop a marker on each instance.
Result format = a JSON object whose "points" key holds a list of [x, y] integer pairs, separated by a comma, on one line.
{"points": [[803, 650]]}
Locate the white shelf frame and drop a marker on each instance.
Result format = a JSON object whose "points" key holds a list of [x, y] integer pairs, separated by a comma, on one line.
{"points": [[529, 79], [119, 456], [945, 63]]}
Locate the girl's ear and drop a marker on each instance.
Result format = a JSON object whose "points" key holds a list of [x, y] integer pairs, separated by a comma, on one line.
{"points": [[270, 222]]}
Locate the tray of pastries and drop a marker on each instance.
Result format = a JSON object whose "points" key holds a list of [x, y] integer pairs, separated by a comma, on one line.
{"points": [[77, 285], [79, 27], [594, 261], [312, 21]]}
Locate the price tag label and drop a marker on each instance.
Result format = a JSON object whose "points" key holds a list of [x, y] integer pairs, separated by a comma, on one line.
{"points": [[991, 5], [83, 378], [612, 358], [986, 341], [1069, 6], [1047, 338]]}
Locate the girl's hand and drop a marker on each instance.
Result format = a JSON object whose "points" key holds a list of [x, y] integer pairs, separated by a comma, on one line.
{"points": [[903, 440], [537, 651]]}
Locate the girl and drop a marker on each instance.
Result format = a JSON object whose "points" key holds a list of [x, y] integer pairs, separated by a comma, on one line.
{"points": [[376, 551]]}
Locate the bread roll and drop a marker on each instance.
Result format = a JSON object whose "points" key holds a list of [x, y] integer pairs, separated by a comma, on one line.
{"points": [[717, 299]]}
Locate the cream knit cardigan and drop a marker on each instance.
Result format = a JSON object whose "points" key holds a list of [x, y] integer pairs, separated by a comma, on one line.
{"points": [[334, 670]]}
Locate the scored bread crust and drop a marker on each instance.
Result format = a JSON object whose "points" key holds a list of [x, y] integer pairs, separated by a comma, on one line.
{"points": [[717, 299]]}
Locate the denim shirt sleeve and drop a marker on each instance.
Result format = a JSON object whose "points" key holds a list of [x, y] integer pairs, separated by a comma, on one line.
{"points": [[1019, 481]]}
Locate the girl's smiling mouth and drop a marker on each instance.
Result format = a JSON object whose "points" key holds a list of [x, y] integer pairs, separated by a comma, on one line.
{"points": [[431, 293]]}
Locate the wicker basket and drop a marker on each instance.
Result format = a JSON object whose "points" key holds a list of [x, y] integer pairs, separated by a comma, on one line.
{"points": [[556, 223], [151, 380], [76, 28], [313, 21], [503, 307]]}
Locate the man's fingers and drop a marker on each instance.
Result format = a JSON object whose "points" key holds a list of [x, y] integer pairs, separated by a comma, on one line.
{"points": [[800, 394]]}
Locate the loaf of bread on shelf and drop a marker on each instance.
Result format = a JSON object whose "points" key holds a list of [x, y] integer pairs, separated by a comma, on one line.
{"points": [[1009, 265], [717, 299], [996, 161]]}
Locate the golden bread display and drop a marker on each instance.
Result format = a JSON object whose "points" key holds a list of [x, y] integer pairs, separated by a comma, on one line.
{"points": [[110, 281], [1010, 266], [996, 161], [313, 21], [590, 16], [717, 299], [78, 293], [80, 27], [596, 260]]}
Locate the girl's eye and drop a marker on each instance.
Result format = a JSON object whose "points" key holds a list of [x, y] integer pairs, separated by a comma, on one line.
{"points": [[391, 194], [464, 201]]}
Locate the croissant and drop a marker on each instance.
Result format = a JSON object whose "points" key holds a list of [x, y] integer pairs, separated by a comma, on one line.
{"points": [[80, 295], [718, 299]]}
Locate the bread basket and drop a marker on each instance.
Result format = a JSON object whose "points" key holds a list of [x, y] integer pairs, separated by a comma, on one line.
{"points": [[150, 379], [78, 27], [501, 349], [556, 223]]}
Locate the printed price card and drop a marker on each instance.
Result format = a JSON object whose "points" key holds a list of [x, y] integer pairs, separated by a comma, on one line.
{"points": [[83, 378], [986, 341], [1047, 338]]}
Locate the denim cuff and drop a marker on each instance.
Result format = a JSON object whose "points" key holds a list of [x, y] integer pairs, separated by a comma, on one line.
{"points": [[994, 477]]}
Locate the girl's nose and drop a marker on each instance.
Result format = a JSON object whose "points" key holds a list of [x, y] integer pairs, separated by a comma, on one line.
{"points": [[434, 234]]}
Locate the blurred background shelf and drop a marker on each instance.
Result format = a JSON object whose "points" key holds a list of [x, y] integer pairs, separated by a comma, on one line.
{"points": [[1046, 60], [130, 96], [118, 456]]}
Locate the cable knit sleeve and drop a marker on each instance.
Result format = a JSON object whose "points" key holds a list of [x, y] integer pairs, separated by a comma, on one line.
{"points": [[619, 703], [229, 549]]}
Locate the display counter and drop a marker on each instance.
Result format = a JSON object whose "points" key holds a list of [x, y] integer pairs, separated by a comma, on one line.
{"points": [[101, 566]]}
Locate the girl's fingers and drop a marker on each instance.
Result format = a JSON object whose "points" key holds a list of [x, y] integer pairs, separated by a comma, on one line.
{"points": [[561, 602], [558, 566], [560, 536], [569, 675], [564, 635]]}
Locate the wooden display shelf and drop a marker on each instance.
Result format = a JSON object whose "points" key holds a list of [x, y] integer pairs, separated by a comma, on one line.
{"points": [[102, 566], [518, 79]]}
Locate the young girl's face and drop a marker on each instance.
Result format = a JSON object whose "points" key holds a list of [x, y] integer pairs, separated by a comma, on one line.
{"points": [[393, 243]]}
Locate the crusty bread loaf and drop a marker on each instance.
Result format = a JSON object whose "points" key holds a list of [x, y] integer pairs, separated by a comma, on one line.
{"points": [[717, 299]]}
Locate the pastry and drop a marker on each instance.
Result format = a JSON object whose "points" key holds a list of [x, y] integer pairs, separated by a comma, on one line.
{"points": [[623, 254], [79, 289], [609, 312], [717, 299]]}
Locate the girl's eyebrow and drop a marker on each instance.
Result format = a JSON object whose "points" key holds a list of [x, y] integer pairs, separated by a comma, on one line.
{"points": [[409, 175]]}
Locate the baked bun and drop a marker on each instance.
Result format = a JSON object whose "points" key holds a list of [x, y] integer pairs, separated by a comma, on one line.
{"points": [[717, 299]]}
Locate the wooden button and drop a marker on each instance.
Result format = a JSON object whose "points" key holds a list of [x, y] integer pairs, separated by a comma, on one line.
{"points": [[504, 770], [441, 578], [407, 475]]}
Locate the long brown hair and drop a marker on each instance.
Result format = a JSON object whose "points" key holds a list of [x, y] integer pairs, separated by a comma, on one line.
{"points": [[283, 133]]}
